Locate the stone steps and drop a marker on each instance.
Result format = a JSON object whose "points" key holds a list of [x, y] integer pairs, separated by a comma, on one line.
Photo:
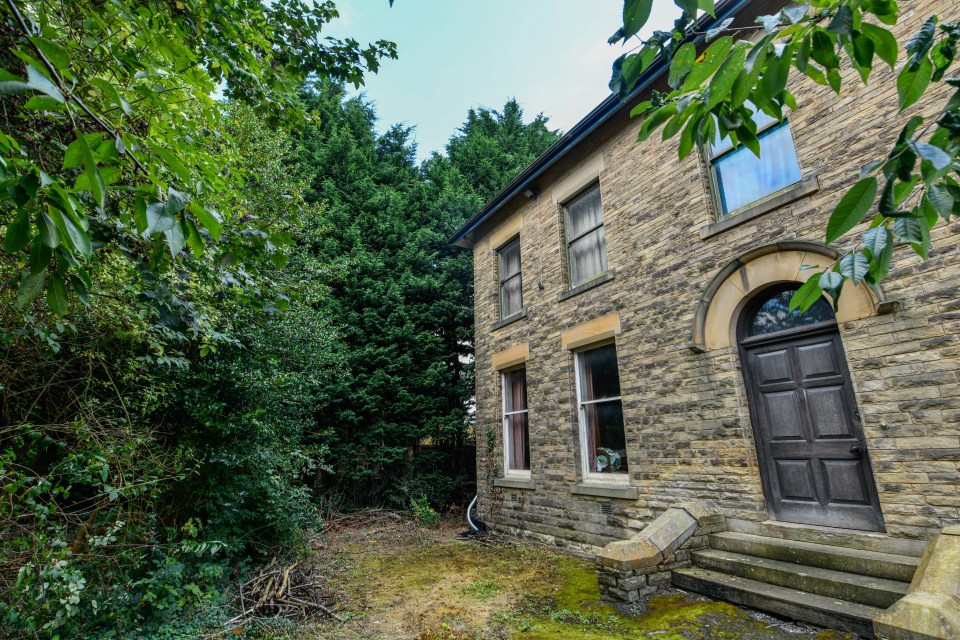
{"points": [[876, 564], [870, 591], [828, 577], [784, 601], [830, 536]]}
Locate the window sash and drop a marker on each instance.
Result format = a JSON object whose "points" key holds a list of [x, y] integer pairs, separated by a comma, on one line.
{"points": [[511, 282], [740, 179], [591, 416], [516, 424], [590, 262]]}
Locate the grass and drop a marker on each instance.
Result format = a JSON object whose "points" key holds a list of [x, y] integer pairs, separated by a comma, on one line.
{"points": [[397, 580]]}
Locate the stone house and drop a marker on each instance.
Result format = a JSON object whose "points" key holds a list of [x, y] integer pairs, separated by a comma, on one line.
{"points": [[635, 356]]}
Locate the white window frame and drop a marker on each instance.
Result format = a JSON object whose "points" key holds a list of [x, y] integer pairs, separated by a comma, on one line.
{"points": [[593, 476], [501, 281], [568, 241], [505, 423]]}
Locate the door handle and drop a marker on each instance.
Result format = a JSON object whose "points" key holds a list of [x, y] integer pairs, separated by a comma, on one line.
{"points": [[856, 450]]}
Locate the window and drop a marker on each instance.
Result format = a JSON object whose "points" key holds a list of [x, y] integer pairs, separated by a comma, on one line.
{"points": [[586, 244], [740, 178], [774, 313], [516, 441], [511, 295], [601, 412]]}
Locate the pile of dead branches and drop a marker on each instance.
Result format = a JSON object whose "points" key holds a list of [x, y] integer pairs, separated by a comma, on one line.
{"points": [[293, 591]]}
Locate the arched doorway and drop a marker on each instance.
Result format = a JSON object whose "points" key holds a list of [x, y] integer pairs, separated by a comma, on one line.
{"points": [[810, 444]]}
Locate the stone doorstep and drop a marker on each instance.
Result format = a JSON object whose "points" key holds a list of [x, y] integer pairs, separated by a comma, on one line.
{"points": [[866, 541]]}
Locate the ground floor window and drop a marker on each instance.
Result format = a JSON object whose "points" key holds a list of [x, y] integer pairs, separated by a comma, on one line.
{"points": [[516, 440], [601, 412]]}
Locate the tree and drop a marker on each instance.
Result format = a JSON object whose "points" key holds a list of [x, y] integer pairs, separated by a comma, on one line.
{"points": [[718, 93], [112, 137], [401, 295]]}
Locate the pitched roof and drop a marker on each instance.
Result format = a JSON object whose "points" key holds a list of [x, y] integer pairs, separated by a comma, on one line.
{"points": [[570, 140]]}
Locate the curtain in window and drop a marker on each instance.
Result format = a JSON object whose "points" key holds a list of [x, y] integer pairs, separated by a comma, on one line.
{"points": [[517, 427], [590, 417], [743, 178], [588, 257]]}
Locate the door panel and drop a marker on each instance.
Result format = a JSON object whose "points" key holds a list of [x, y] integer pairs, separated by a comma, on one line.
{"points": [[809, 441]]}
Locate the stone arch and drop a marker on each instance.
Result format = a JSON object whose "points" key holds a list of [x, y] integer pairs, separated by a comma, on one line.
{"points": [[718, 309]]}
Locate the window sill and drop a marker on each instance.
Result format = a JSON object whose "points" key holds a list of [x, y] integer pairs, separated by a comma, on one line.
{"points": [[596, 489], [519, 315], [803, 188], [586, 286], [515, 483]]}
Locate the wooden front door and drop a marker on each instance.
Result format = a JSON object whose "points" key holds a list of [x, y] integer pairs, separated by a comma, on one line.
{"points": [[810, 444]]}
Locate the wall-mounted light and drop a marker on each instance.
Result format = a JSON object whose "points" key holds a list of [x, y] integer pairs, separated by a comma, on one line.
{"points": [[531, 192]]}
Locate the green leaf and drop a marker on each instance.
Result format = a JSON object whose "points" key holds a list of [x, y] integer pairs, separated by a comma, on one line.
{"points": [[159, 219], [194, 239], [57, 295], [78, 237], [93, 174], [53, 52], [775, 74], [941, 200], [717, 30], [80, 289], [726, 75], [919, 44], [875, 239], [863, 49], [681, 65], [43, 103], [852, 208], [842, 23], [712, 58], [822, 49], [854, 266], [175, 239], [749, 139], [30, 287], [907, 229], [11, 84], [912, 84], [831, 282], [39, 82], [18, 232], [111, 94], [884, 42], [936, 156], [807, 294], [880, 263], [796, 13], [173, 162], [690, 6], [49, 234], [635, 15]]}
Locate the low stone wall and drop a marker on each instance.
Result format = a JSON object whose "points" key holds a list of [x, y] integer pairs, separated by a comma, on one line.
{"points": [[630, 569]]}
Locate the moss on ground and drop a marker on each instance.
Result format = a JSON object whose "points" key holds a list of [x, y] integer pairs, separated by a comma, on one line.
{"points": [[405, 582]]}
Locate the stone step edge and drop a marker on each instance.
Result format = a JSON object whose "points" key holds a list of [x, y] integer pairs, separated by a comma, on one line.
{"points": [[895, 588], [790, 603], [863, 540], [878, 557]]}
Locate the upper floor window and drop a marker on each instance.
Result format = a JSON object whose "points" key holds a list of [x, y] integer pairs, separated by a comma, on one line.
{"points": [[511, 294], [516, 434], [740, 178], [586, 244], [603, 439]]}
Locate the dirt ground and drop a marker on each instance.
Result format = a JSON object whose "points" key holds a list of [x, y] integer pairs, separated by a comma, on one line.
{"points": [[394, 579]]}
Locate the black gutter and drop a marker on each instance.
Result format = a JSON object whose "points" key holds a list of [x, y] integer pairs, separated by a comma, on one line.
{"points": [[600, 114]]}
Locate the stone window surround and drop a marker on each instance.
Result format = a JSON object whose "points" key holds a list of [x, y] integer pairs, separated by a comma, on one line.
{"points": [[595, 333], [805, 187], [500, 282]]}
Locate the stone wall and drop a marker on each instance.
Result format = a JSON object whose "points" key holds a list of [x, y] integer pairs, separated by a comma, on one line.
{"points": [[687, 422]]}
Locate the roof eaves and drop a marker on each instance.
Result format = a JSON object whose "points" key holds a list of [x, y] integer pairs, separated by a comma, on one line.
{"points": [[600, 114]]}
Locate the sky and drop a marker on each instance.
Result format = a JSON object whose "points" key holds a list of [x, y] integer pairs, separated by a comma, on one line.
{"points": [[551, 55]]}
